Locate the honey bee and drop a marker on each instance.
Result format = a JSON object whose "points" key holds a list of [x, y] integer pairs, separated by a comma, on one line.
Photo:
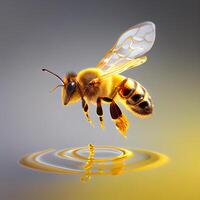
{"points": [[103, 84]]}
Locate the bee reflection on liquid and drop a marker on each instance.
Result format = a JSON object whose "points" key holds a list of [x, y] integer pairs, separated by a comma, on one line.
{"points": [[92, 161], [116, 168]]}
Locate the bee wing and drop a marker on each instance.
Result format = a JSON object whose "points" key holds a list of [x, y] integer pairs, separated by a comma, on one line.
{"points": [[123, 67], [132, 44]]}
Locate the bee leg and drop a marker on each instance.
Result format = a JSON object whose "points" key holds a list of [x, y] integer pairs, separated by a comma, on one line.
{"points": [[99, 112], [85, 109], [120, 120], [99, 109], [84, 104]]}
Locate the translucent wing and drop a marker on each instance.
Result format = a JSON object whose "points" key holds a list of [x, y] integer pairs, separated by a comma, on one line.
{"points": [[123, 67], [132, 44]]}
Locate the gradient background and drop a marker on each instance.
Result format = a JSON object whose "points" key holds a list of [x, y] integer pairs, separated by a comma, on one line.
{"points": [[72, 35]]}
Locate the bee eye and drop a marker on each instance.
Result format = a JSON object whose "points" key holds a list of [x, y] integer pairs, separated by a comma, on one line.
{"points": [[71, 87]]}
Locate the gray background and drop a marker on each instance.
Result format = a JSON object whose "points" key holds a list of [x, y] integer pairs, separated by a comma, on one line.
{"points": [[72, 35]]}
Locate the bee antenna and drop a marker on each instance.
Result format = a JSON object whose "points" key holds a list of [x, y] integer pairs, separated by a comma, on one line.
{"points": [[46, 70]]}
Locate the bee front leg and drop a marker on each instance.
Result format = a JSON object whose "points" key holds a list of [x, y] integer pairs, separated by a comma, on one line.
{"points": [[85, 109], [84, 104]]}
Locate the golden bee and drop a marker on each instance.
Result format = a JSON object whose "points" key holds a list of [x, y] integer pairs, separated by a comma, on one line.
{"points": [[104, 84]]}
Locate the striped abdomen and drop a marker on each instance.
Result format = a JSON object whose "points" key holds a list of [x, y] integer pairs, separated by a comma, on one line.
{"points": [[136, 98]]}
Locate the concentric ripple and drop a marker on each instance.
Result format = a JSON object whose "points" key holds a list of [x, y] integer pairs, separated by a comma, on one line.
{"points": [[90, 161]]}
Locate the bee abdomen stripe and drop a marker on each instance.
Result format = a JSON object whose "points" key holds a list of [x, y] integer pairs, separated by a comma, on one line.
{"points": [[137, 96], [126, 91]]}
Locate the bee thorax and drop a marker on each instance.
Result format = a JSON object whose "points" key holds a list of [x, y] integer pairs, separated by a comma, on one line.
{"points": [[91, 91]]}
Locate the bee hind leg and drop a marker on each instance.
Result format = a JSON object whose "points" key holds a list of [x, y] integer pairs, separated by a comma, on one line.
{"points": [[120, 120]]}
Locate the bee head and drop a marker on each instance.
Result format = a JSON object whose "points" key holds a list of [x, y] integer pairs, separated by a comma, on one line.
{"points": [[69, 88], [69, 91]]}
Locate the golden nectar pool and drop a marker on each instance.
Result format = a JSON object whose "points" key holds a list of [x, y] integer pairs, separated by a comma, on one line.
{"points": [[93, 160]]}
